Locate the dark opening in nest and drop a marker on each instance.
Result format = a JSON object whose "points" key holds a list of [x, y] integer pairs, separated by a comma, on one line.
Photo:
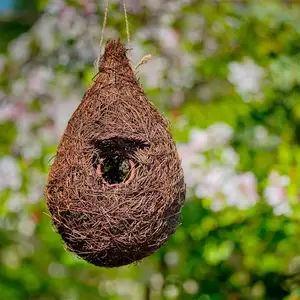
{"points": [[118, 146], [115, 169], [113, 162]]}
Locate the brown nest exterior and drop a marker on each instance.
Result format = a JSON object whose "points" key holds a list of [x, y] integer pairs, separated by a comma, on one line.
{"points": [[116, 187]]}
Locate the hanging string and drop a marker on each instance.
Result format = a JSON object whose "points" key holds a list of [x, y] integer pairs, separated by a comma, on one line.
{"points": [[127, 25], [104, 23], [102, 33], [144, 60], [147, 57]]}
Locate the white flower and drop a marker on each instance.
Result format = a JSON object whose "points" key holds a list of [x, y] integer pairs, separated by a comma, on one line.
{"points": [[15, 202], [246, 76], [45, 30], [154, 4], [19, 87], [283, 209], [36, 186], [153, 72], [210, 45], [212, 182], [191, 162], [217, 179], [61, 111], [199, 140], [276, 195], [245, 191], [183, 76], [133, 5], [19, 49], [87, 48], [10, 176], [55, 6], [219, 134], [38, 79], [168, 38], [261, 134], [217, 205], [71, 24], [194, 27], [24, 123], [47, 134], [192, 176], [230, 157], [6, 111], [32, 150]]}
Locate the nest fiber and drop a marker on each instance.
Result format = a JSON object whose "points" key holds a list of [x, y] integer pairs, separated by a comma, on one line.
{"points": [[116, 187]]}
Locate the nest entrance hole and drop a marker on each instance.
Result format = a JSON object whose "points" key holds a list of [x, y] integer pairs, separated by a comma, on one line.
{"points": [[115, 169], [113, 160]]}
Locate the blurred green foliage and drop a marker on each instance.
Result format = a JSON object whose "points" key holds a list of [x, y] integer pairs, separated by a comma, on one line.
{"points": [[227, 254]]}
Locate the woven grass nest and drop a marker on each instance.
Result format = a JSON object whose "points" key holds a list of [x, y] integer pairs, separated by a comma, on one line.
{"points": [[116, 187]]}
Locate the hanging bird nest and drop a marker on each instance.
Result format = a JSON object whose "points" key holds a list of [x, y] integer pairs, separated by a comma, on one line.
{"points": [[116, 187]]}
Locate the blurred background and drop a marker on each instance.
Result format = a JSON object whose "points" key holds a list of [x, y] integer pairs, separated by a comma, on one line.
{"points": [[227, 75]]}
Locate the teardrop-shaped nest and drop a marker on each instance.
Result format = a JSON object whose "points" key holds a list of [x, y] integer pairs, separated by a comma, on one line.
{"points": [[116, 187]]}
